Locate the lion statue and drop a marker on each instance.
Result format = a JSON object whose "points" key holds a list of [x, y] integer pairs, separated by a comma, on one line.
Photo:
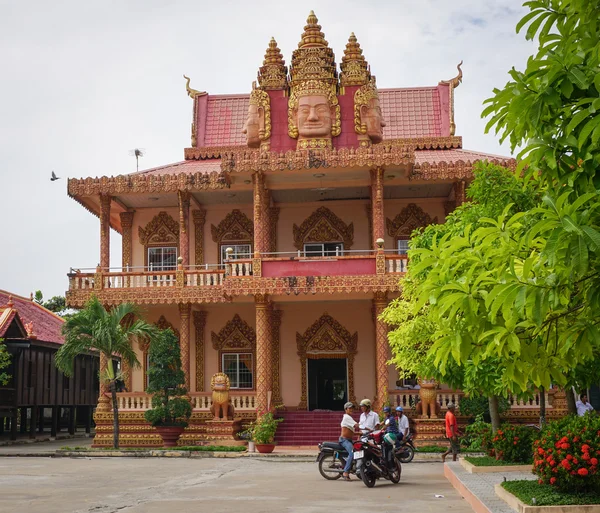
{"points": [[221, 408]]}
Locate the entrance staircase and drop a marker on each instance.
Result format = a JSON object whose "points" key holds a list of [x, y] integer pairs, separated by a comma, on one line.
{"points": [[302, 428]]}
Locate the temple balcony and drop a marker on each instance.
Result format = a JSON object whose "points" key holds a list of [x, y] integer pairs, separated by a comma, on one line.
{"points": [[272, 273]]}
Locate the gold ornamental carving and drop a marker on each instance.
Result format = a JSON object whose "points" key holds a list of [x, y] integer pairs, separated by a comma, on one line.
{"points": [[162, 229], [410, 217], [272, 74], [192, 93], [326, 338], [323, 226], [199, 217], [368, 118], [257, 127], [355, 69], [199, 325], [452, 84], [236, 226], [127, 240], [235, 335]]}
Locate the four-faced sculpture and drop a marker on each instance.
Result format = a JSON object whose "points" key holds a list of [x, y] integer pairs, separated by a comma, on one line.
{"points": [[257, 127]]}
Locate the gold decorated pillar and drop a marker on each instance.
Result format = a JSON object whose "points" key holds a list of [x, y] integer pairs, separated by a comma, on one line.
{"points": [[261, 222], [184, 340], [277, 400], [264, 370], [377, 214], [382, 351], [127, 239], [199, 217], [105, 201], [103, 400], [199, 325], [184, 236]]}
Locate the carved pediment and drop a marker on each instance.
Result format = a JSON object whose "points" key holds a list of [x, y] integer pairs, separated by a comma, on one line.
{"points": [[163, 229], [412, 216], [162, 324], [323, 226], [237, 334], [236, 226], [326, 335]]}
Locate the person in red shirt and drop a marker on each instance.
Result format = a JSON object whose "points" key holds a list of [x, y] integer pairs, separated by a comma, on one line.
{"points": [[451, 433]]}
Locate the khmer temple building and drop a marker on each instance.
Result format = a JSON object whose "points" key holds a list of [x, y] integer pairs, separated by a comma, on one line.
{"points": [[272, 248]]}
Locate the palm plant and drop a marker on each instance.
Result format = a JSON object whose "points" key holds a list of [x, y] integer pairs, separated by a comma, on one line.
{"points": [[95, 329]]}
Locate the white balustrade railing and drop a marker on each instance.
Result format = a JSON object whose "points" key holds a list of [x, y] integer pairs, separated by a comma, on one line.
{"points": [[396, 264], [533, 402], [201, 401], [81, 282], [241, 268], [128, 401]]}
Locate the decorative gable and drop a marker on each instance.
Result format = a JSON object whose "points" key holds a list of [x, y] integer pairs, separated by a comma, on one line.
{"points": [[163, 229], [237, 334], [323, 226], [235, 227], [412, 216]]}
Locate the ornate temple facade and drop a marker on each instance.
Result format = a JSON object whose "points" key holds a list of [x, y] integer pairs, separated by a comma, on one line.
{"points": [[274, 246]]}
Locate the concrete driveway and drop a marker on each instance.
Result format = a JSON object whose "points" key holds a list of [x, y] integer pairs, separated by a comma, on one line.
{"points": [[153, 485]]}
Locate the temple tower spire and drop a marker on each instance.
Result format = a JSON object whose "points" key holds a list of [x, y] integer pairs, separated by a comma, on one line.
{"points": [[355, 69], [272, 75]]}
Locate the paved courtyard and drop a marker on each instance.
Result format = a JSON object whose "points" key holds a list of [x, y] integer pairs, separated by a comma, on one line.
{"points": [[152, 485]]}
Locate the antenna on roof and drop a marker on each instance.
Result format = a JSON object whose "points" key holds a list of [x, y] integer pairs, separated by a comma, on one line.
{"points": [[137, 153]]}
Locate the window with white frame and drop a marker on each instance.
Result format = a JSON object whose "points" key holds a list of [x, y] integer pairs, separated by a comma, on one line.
{"points": [[314, 249], [238, 366], [403, 246], [239, 251], [162, 258]]}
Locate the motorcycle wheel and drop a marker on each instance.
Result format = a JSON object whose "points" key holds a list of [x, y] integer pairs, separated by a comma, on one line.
{"points": [[396, 473], [368, 478], [331, 467], [407, 454]]}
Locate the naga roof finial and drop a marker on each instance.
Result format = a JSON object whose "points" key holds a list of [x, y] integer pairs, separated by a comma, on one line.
{"points": [[456, 81], [453, 83], [192, 93], [355, 69]]}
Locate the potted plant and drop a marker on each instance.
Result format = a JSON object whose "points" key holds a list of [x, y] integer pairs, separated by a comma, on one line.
{"points": [[263, 432], [247, 436], [170, 411]]}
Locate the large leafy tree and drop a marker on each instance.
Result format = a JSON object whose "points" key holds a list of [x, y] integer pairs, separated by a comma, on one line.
{"points": [[109, 332], [4, 363]]}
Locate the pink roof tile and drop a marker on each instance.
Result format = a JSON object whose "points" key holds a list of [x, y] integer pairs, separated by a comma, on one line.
{"points": [[187, 166], [449, 156], [46, 324], [414, 112], [225, 118]]}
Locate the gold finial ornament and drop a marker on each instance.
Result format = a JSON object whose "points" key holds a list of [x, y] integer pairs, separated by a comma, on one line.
{"points": [[272, 74], [312, 36], [192, 93], [453, 83], [355, 69]]}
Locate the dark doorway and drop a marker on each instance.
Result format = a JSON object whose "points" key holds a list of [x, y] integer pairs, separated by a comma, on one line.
{"points": [[327, 384]]}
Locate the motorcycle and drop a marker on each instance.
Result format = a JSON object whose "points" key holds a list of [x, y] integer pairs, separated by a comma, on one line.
{"points": [[376, 459], [332, 459], [406, 452]]}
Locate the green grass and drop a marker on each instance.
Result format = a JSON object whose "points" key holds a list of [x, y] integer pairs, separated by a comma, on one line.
{"points": [[439, 449], [546, 495], [488, 461], [192, 448]]}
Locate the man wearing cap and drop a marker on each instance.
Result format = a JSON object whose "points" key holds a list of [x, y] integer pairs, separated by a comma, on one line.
{"points": [[403, 425], [369, 420], [349, 427], [451, 433]]}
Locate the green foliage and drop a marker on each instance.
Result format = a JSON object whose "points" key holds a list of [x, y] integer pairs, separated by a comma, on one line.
{"points": [[488, 461], [166, 378], [478, 435], [56, 304], [567, 452], [4, 363], [262, 430], [513, 443], [475, 405], [545, 495]]}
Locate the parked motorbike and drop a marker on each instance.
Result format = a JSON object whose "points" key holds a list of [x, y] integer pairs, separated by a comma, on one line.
{"points": [[406, 452], [332, 459], [376, 459]]}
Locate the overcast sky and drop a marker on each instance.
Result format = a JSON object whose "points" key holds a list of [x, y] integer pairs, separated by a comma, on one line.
{"points": [[84, 82]]}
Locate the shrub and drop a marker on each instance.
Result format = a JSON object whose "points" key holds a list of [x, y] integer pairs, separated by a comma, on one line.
{"points": [[514, 443], [567, 452], [474, 406], [263, 429], [478, 435]]}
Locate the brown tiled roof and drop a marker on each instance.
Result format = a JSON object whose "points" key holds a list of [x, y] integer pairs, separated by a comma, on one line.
{"points": [[225, 120], [411, 112], [451, 156], [46, 324], [187, 166]]}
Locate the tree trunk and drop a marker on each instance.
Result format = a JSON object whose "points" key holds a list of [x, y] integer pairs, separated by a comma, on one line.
{"points": [[494, 413], [542, 407], [113, 391], [571, 407]]}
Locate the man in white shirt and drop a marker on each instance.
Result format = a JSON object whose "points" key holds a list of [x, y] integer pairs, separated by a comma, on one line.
{"points": [[369, 420], [403, 425], [583, 406]]}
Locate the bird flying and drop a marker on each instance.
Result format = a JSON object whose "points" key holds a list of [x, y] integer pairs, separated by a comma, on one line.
{"points": [[54, 177]]}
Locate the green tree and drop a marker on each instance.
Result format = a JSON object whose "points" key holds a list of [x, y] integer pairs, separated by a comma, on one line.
{"points": [[94, 329], [166, 380], [56, 304], [4, 363]]}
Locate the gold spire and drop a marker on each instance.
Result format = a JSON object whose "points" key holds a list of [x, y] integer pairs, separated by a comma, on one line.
{"points": [[273, 73], [312, 36], [355, 69]]}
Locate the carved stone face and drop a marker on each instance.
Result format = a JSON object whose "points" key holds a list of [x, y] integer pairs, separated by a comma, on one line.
{"points": [[371, 115], [252, 126], [313, 117]]}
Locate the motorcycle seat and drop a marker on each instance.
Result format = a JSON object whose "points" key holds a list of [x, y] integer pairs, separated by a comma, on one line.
{"points": [[334, 446]]}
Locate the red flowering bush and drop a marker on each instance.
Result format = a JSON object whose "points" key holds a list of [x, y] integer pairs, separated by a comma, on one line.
{"points": [[567, 452], [513, 443]]}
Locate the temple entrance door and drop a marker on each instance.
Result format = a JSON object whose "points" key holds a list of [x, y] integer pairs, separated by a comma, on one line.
{"points": [[327, 383]]}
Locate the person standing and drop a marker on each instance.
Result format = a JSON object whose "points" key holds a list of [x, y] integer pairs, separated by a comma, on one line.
{"points": [[369, 420], [349, 427], [451, 433], [583, 406]]}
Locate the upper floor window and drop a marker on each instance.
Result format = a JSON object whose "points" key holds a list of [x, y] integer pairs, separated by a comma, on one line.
{"points": [[239, 251], [162, 258], [238, 366], [403, 246], [323, 249]]}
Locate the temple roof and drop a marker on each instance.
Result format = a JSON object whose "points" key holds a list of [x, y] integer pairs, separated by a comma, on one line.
{"points": [[434, 157], [46, 325], [185, 166]]}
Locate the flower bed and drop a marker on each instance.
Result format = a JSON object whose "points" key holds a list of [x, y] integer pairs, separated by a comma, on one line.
{"points": [[546, 495], [513, 443]]}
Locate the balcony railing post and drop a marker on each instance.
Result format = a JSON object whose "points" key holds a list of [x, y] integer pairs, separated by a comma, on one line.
{"points": [[98, 280], [180, 274], [257, 267]]}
